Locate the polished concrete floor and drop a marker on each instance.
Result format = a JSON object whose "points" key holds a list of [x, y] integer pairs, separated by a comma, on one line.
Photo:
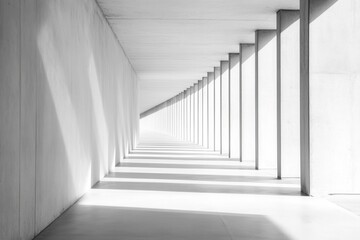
{"points": [[171, 190]]}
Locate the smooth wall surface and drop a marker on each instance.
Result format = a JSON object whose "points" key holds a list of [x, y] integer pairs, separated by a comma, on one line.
{"points": [[68, 109], [331, 85], [266, 108]]}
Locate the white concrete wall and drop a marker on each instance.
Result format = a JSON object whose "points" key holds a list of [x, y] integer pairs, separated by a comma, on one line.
{"points": [[330, 96], [288, 80], [68, 108], [247, 71], [10, 119], [266, 107]]}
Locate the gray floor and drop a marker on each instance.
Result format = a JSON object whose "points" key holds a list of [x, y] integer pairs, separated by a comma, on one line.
{"points": [[169, 190]]}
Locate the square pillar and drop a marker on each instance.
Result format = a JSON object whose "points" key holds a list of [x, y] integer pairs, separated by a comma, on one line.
{"points": [[196, 114], [217, 119], [183, 115], [266, 99], [200, 100], [247, 83], [288, 91], [330, 96], [188, 115], [205, 112], [192, 105], [234, 85], [211, 110], [225, 98]]}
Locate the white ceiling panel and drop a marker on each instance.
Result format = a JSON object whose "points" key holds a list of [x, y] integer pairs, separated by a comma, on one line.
{"points": [[173, 43]]}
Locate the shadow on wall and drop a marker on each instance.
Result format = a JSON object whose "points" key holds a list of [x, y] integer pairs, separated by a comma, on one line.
{"points": [[266, 37], [139, 223], [76, 114], [318, 7], [290, 19], [247, 51]]}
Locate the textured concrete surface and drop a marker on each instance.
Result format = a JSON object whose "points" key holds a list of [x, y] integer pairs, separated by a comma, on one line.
{"points": [[66, 118], [330, 96]]}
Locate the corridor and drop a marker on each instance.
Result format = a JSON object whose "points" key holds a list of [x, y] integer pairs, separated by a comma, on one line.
{"points": [[169, 189], [178, 120]]}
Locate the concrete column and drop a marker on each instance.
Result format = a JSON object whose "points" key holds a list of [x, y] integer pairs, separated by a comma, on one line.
{"points": [[266, 99], [217, 119], [200, 100], [330, 96], [234, 81], [205, 113], [247, 83], [177, 116], [192, 135], [170, 104], [184, 116], [168, 117], [196, 113], [211, 110], [172, 112], [188, 117], [175, 123], [288, 92], [225, 114]]}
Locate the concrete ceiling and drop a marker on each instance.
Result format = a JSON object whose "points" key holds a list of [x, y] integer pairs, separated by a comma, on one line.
{"points": [[173, 43]]}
